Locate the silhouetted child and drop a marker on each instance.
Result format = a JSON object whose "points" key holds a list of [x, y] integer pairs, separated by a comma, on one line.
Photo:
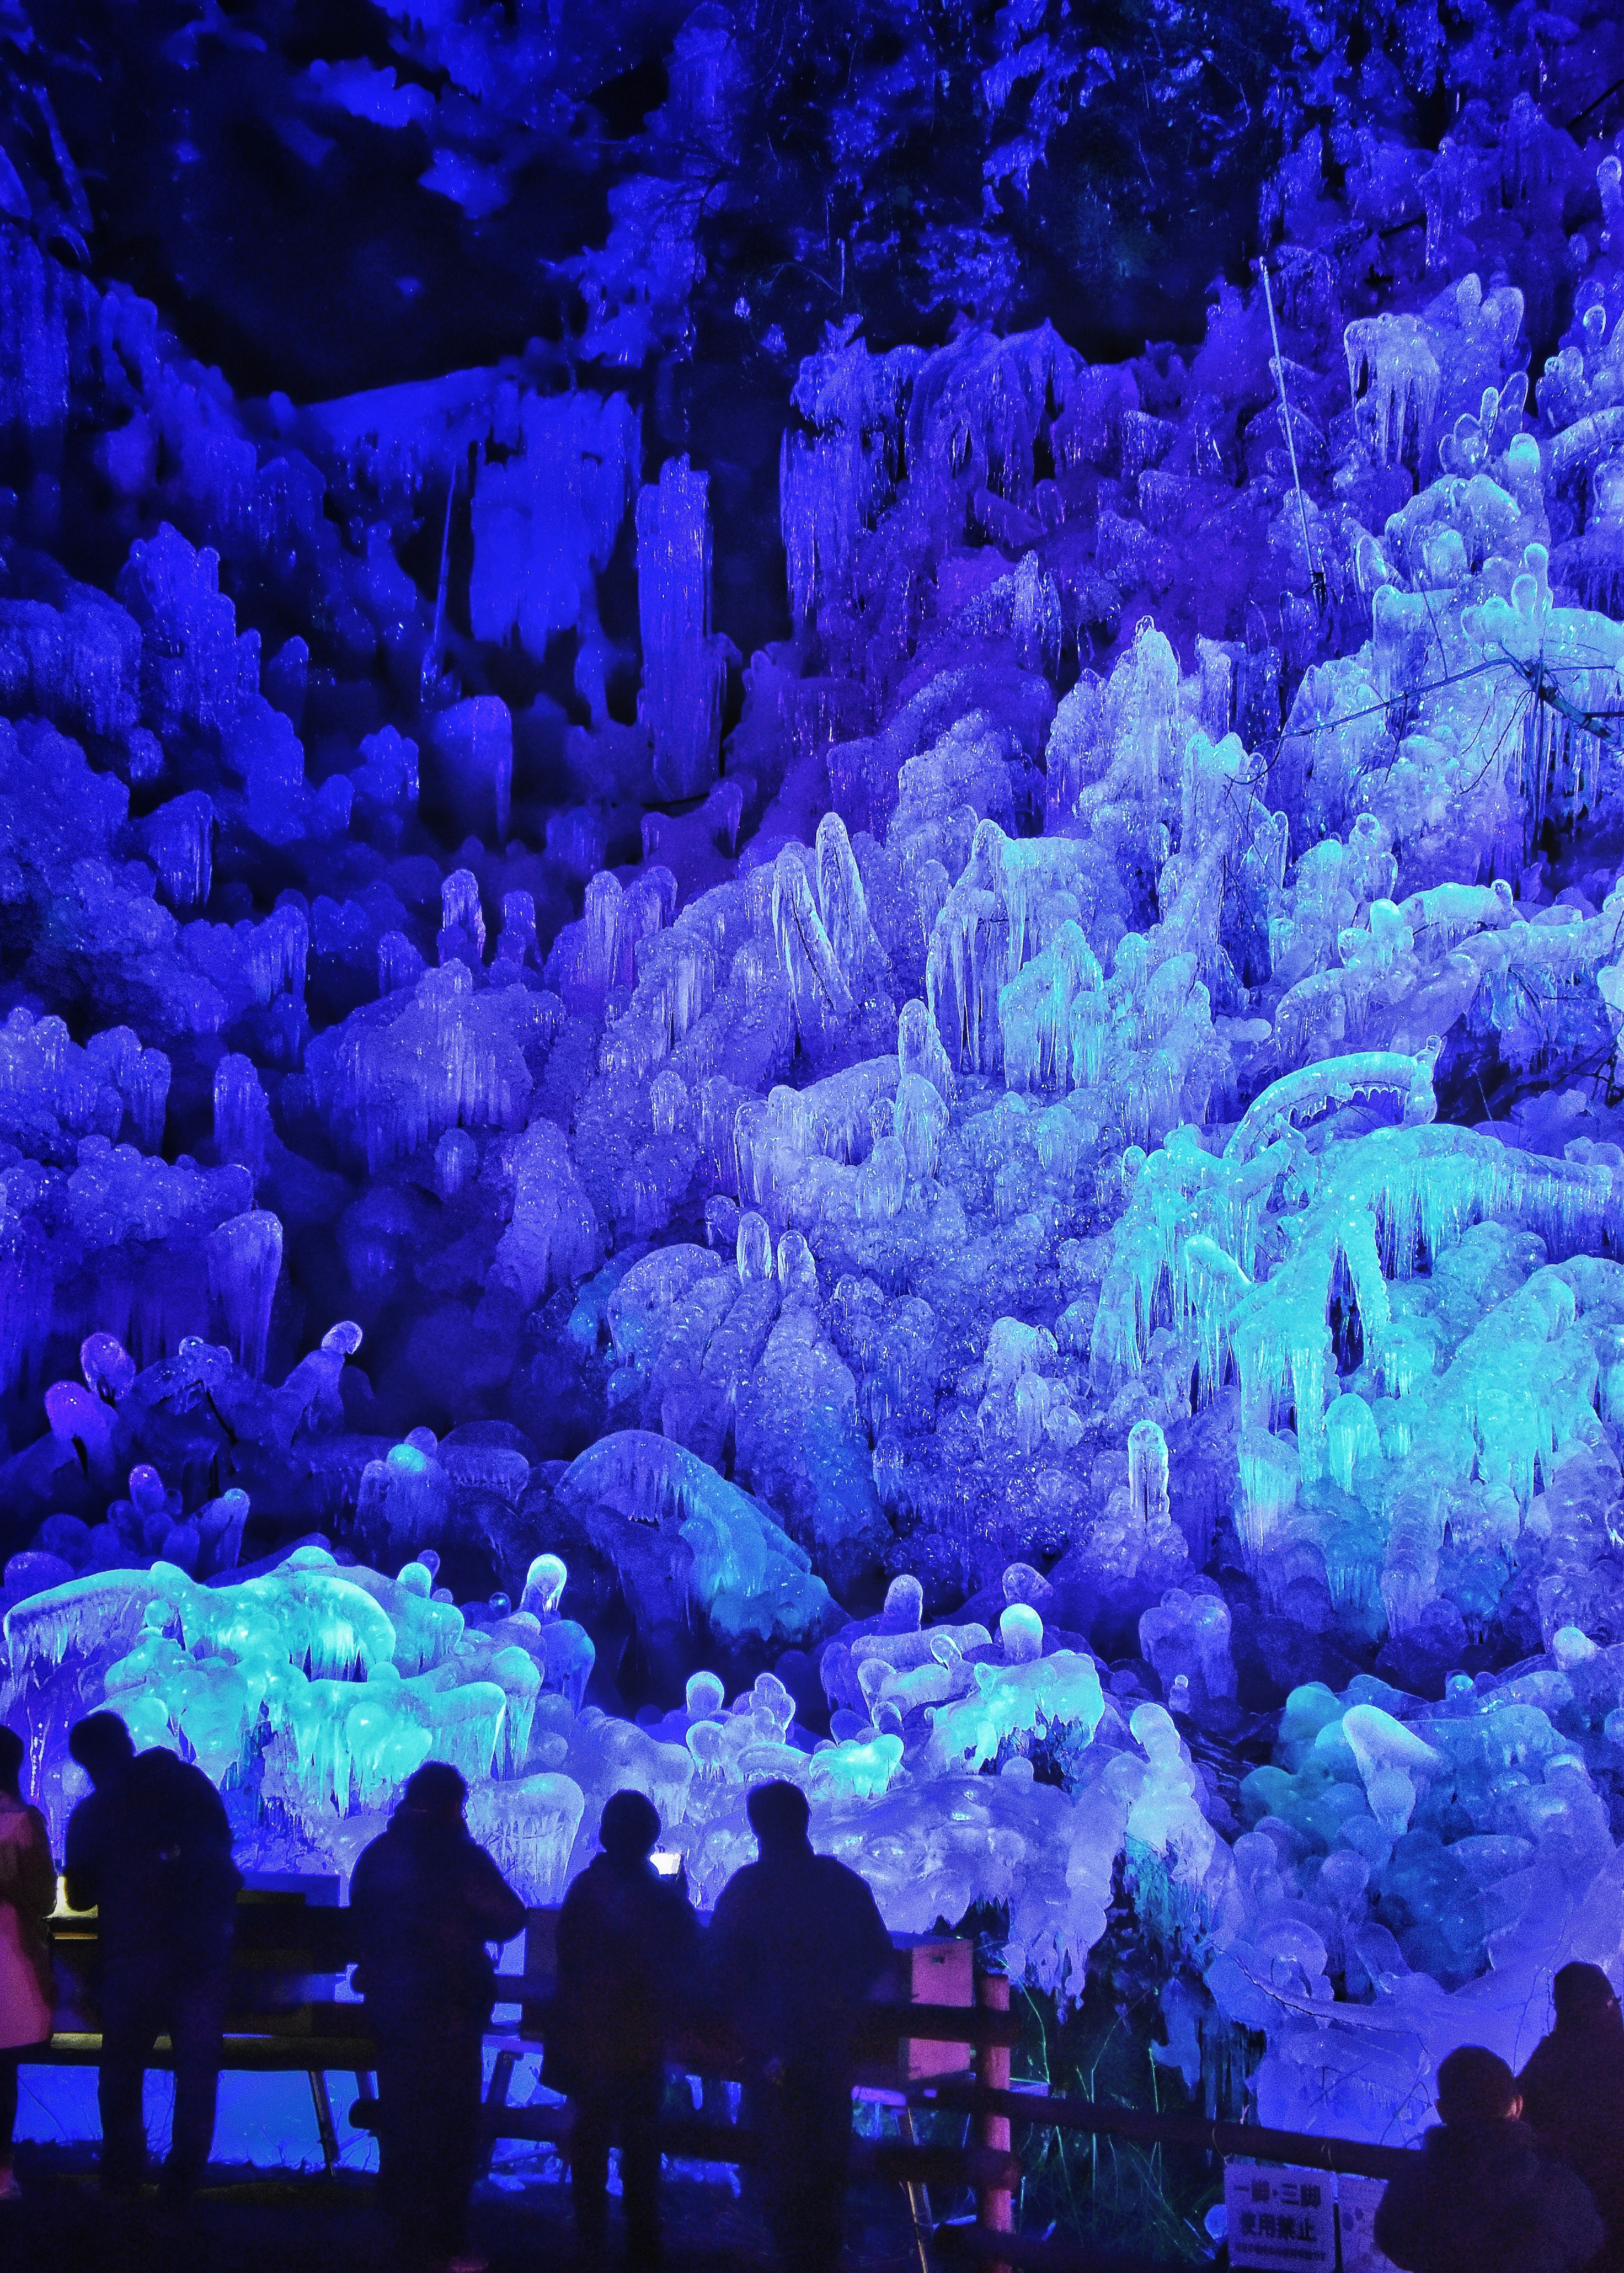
{"points": [[1482, 2198], [626, 1942]]}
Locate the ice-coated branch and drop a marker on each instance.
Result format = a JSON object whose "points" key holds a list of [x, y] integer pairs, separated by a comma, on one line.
{"points": [[1373, 1073]]}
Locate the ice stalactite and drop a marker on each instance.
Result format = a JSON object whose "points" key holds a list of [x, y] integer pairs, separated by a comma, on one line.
{"points": [[242, 1113], [685, 663], [178, 840], [724, 1556], [529, 1827], [469, 769], [545, 518], [1092, 1115], [244, 1264], [436, 1058], [837, 472]]}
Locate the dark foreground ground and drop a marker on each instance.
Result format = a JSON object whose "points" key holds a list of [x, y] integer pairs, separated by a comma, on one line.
{"points": [[250, 2221]]}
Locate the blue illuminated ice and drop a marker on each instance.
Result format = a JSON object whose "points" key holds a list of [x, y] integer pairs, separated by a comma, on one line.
{"points": [[1073, 1097]]}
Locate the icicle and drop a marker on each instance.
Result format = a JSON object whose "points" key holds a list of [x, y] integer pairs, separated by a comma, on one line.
{"points": [[842, 903], [459, 909], [919, 1050], [278, 952], [178, 840], [1394, 379], [242, 1113], [455, 1158], [818, 985], [1268, 1480], [1351, 1439], [244, 1263], [471, 748], [684, 665], [547, 517], [79, 1420], [107, 1366], [922, 1124], [399, 963], [104, 1609], [517, 943], [148, 1096], [754, 1249], [1148, 1473]]}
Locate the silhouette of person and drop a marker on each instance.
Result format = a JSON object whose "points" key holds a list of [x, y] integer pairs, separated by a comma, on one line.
{"points": [[1482, 2198], [426, 1899], [627, 1944], [1573, 2091], [150, 1849], [797, 1944], [28, 1896]]}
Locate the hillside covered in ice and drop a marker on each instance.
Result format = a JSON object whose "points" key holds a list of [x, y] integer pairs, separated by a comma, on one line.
{"points": [[960, 1137]]}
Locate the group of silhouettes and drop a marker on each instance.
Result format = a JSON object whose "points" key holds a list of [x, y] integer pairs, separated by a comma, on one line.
{"points": [[795, 1946], [1523, 2175]]}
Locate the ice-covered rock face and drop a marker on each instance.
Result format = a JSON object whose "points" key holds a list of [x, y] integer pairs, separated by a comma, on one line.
{"points": [[1009, 1210]]}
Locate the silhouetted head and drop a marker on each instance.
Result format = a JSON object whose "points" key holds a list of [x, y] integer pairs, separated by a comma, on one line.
{"points": [[629, 1827], [11, 1762], [101, 1745], [1582, 1992], [779, 1816], [436, 1790], [1476, 2086]]}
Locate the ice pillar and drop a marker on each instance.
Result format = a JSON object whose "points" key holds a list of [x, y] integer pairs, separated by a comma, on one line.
{"points": [[684, 663], [245, 1261]]}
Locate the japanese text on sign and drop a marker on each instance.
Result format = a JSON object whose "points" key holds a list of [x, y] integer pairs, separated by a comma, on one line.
{"points": [[1280, 2218]]}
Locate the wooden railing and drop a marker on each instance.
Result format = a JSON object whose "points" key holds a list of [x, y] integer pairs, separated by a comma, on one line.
{"points": [[920, 2056], [944, 2046]]}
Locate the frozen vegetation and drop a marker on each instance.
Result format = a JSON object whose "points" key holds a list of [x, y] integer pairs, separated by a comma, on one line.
{"points": [[1011, 1208]]}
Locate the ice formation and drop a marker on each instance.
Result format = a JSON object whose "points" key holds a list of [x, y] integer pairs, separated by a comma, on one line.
{"points": [[1010, 1209]]}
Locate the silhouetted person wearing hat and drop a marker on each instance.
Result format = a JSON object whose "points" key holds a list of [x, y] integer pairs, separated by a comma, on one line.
{"points": [[627, 1943], [798, 1944], [150, 1849], [426, 1899], [1573, 2091], [1482, 2197]]}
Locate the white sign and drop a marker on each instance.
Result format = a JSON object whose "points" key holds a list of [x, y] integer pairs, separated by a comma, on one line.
{"points": [[1280, 2218], [1357, 2200]]}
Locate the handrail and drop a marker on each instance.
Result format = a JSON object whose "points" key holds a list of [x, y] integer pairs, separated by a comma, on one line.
{"points": [[1256, 2141], [314, 1939]]}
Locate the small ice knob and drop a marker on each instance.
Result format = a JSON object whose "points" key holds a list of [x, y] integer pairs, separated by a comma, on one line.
{"points": [[107, 1366], [754, 1248], [704, 1696], [544, 1586], [905, 1606], [146, 1489], [1020, 1630]]}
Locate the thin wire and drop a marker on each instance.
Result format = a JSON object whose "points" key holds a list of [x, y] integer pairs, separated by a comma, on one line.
{"points": [[1316, 575], [432, 660], [1375, 709]]}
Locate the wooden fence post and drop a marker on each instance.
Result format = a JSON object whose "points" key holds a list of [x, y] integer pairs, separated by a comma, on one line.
{"points": [[995, 2205]]}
